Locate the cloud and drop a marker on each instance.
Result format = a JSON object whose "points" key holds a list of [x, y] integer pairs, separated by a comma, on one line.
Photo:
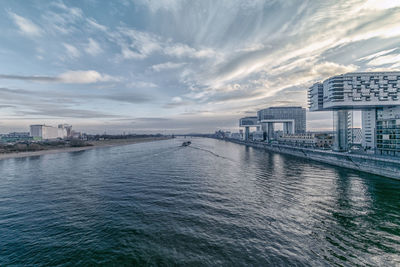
{"points": [[168, 5], [152, 119], [59, 18], [78, 77], [177, 101], [52, 104], [327, 69], [93, 48], [26, 26], [383, 60], [378, 54], [381, 4], [136, 44], [61, 112], [72, 51], [28, 78], [205, 58], [45, 104], [83, 77], [71, 11], [129, 97], [7, 106], [166, 66], [25, 97], [95, 25], [141, 84], [183, 50]]}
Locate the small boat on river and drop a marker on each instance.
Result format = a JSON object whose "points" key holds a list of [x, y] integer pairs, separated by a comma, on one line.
{"points": [[186, 143]]}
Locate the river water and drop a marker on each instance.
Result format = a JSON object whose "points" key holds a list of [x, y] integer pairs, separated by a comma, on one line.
{"points": [[213, 203]]}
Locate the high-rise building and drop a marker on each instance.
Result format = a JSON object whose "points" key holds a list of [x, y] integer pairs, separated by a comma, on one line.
{"points": [[374, 93], [316, 97], [388, 131], [64, 130]]}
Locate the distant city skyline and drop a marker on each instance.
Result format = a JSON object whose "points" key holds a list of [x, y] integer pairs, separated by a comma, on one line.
{"points": [[180, 66]]}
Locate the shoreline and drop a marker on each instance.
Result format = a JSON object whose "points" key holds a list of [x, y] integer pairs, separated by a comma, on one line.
{"points": [[95, 144], [386, 167]]}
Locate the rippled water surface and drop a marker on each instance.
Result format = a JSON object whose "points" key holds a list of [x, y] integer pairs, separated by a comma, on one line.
{"points": [[213, 203]]}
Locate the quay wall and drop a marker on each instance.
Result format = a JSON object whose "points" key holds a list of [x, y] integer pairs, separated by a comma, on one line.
{"points": [[384, 166]]}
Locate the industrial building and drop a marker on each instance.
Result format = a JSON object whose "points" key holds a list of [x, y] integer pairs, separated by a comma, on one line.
{"points": [[376, 94], [46, 132]]}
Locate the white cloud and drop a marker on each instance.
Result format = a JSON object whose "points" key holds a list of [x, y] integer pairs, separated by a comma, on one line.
{"points": [[177, 99], [142, 84], [136, 44], [92, 23], [72, 11], [85, 77], [93, 48], [166, 66], [380, 53], [383, 60], [59, 18], [26, 26], [79, 76], [72, 51], [381, 4], [169, 5], [327, 69], [182, 50]]}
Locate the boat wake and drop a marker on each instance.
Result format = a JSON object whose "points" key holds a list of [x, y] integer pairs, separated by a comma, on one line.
{"points": [[205, 150]]}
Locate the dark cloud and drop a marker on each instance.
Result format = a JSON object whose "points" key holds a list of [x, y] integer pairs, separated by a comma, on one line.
{"points": [[177, 104], [29, 78], [7, 106], [129, 98], [152, 119], [55, 112]]}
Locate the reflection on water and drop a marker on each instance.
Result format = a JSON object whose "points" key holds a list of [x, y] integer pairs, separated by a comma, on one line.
{"points": [[214, 203]]}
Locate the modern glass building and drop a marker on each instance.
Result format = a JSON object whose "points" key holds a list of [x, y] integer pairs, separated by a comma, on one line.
{"points": [[316, 97], [248, 122], [292, 118], [374, 93], [388, 131]]}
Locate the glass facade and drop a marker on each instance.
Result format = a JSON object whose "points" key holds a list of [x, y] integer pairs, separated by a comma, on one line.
{"points": [[342, 128], [248, 121], [388, 137]]}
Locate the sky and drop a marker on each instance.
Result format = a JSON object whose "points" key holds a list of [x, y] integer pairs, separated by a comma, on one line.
{"points": [[176, 66]]}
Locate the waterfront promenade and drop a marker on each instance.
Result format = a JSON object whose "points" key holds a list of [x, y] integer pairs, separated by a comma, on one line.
{"points": [[370, 163]]}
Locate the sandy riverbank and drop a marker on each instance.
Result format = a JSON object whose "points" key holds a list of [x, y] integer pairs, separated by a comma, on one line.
{"points": [[95, 144]]}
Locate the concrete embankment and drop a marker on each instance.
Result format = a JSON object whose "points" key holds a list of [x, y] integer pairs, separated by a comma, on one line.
{"points": [[384, 166]]}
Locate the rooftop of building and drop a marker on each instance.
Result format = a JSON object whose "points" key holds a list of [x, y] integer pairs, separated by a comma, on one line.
{"points": [[289, 107]]}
